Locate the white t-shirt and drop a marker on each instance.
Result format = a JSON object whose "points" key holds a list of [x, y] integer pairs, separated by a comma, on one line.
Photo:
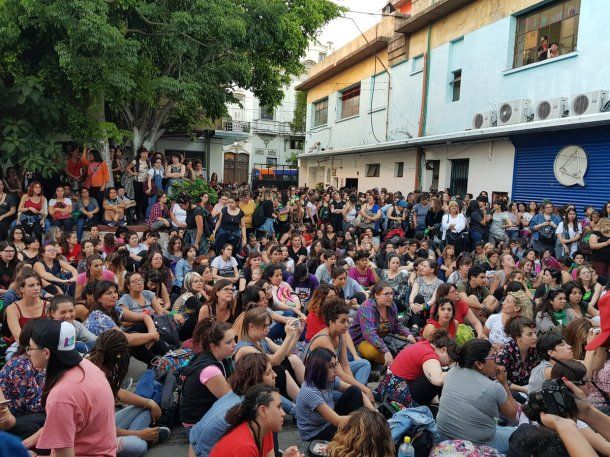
{"points": [[571, 233], [154, 171], [224, 268], [496, 329], [179, 213]]}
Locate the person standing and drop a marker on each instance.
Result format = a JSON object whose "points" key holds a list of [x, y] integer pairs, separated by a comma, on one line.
{"points": [[77, 397], [139, 169], [419, 213]]}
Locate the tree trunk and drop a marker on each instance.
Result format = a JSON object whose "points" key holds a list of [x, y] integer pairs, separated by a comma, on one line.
{"points": [[97, 111]]}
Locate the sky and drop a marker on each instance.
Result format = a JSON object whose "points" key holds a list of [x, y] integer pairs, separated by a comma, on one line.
{"points": [[341, 30]]}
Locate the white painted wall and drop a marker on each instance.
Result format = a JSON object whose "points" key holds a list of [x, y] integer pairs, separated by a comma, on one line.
{"points": [[490, 168], [315, 170]]}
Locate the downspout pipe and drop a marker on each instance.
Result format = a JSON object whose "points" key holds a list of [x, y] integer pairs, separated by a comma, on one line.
{"points": [[423, 114]]}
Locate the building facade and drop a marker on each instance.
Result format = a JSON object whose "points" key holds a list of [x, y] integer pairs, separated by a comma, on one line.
{"points": [[467, 95]]}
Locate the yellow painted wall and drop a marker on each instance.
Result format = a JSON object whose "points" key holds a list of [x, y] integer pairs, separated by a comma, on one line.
{"points": [[468, 19], [362, 70]]}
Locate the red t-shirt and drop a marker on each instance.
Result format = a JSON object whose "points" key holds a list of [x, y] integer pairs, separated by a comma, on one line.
{"points": [[409, 363], [451, 330], [461, 309], [314, 325], [240, 443]]}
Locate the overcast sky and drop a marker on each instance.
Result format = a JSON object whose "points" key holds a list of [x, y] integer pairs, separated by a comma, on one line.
{"points": [[341, 30]]}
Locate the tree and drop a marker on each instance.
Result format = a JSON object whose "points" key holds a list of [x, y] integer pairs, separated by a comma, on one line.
{"points": [[147, 61]]}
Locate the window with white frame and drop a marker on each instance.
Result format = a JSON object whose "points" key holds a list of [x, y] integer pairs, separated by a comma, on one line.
{"points": [[456, 85], [320, 112], [350, 101], [372, 170], [547, 32]]}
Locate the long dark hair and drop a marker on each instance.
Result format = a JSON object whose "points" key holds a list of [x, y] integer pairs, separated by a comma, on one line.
{"points": [[546, 304], [247, 410], [316, 367], [209, 331], [472, 351], [111, 355], [100, 289]]}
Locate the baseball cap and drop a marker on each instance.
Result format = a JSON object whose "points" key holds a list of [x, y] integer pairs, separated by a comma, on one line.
{"points": [[59, 337], [604, 314]]}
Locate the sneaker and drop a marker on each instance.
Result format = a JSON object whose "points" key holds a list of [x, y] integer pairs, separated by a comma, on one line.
{"points": [[164, 434]]}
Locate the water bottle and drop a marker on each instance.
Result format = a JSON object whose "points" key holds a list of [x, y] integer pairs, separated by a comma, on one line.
{"points": [[406, 449]]}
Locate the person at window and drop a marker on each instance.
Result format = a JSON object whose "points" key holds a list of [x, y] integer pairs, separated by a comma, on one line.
{"points": [[553, 50], [543, 49]]}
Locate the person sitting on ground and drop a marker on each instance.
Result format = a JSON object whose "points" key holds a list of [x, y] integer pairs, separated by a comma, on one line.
{"points": [[366, 433], [62, 308], [475, 293], [318, 414], [353, 293], [288, 367], [253, 423], [252, 369], [205, 377], [442, 316], [362, 272], [375, 319], [416, 376], [471, 400], [324, 271], [552, 313], [335, 337], [519, 356]]}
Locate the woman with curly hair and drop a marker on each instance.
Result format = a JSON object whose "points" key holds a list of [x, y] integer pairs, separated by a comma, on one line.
{"points": [[314, 321], [365, 434]]}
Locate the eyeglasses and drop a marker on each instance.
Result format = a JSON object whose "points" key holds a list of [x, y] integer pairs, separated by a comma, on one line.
{"points": [[228, 289], [388, 294], [9, 251], [30, 349], [137, 281]]}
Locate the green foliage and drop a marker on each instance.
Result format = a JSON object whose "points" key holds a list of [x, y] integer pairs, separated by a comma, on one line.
{"points": [[293, 159], [148, 62], [194, 190], [300, 112]]}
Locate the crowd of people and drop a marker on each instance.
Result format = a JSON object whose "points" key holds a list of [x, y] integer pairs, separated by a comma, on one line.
{"points": [[326, 305]]}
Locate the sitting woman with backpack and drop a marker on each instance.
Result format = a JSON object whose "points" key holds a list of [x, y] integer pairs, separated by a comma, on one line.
{"points": [[134, 432], [206, 374]]}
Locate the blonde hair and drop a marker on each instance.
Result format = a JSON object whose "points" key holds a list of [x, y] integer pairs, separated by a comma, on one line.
{"points": [[365, 434], [523, 304], [453, 203], [603, 225]]}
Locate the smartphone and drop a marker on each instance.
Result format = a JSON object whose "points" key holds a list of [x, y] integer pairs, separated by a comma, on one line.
{"points": [[4, 403]]}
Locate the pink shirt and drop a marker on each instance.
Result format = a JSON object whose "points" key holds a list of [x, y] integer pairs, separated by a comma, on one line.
{"points": [[208, 373], [107, 275], [365, 280], [80, 414]]}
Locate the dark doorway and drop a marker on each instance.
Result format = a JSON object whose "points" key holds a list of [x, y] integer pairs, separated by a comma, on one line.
{"points": [[236, 168], [351, 183], [459, 177]]}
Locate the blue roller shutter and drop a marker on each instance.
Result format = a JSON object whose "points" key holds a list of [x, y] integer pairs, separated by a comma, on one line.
{"points": [[534, 178]]}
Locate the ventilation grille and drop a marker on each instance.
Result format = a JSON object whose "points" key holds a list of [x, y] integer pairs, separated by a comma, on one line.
{"points": [[580, 104], [506, 111], [478, 121], [544, 110]]}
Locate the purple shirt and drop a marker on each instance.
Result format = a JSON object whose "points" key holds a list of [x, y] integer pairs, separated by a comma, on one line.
{"points": [[366, 280]]}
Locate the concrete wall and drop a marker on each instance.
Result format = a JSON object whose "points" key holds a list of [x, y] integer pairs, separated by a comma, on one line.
{"points": [[490, 167], [318, 170]]}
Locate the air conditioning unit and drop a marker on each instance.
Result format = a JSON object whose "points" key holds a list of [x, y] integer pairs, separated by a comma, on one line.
{"points": [[551, 109], [514, 112], [588, 103], [484, 120]]}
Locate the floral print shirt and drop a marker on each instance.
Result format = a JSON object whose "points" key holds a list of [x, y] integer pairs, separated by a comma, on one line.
{"points": [[517, 371], [99, 322], [22, 384]]}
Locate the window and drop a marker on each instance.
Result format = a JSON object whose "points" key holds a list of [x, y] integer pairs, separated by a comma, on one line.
{"points": [[321, 56], [547, 32], [399, 168], [372, 170], [266, 113], [272, 161], [320, 112], [350, 102], [418, 64], [260, 152], [296, 144], [456, 85]]}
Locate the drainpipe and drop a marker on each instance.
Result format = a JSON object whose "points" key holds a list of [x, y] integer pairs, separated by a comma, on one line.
{"points": [[423, 113]]}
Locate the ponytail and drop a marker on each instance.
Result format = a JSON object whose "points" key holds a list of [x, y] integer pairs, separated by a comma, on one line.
{"points": [[209, 331], [472, 351]]}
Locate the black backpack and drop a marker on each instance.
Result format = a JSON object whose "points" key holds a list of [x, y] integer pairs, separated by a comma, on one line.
{"points": [[171, 392], [258, 217]]}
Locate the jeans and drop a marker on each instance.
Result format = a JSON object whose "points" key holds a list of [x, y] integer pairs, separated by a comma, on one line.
{"points": [[27, 221], [361, 369], [66, 225], [226, 237], [84, 348], [500, 439], [132, 418], [475, 237], [84, 221]]}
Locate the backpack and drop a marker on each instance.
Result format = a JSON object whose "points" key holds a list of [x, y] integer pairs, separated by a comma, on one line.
{"points": [[547, 232], [172, 361], [171, 393], [258, 217], [149, 387]]}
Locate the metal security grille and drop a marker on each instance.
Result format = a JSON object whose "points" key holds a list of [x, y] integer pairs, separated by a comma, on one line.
{"points": [[459, 176]]}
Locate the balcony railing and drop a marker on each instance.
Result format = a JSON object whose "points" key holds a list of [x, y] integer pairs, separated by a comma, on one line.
{"points": [[230, 125], [271, 127]]}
